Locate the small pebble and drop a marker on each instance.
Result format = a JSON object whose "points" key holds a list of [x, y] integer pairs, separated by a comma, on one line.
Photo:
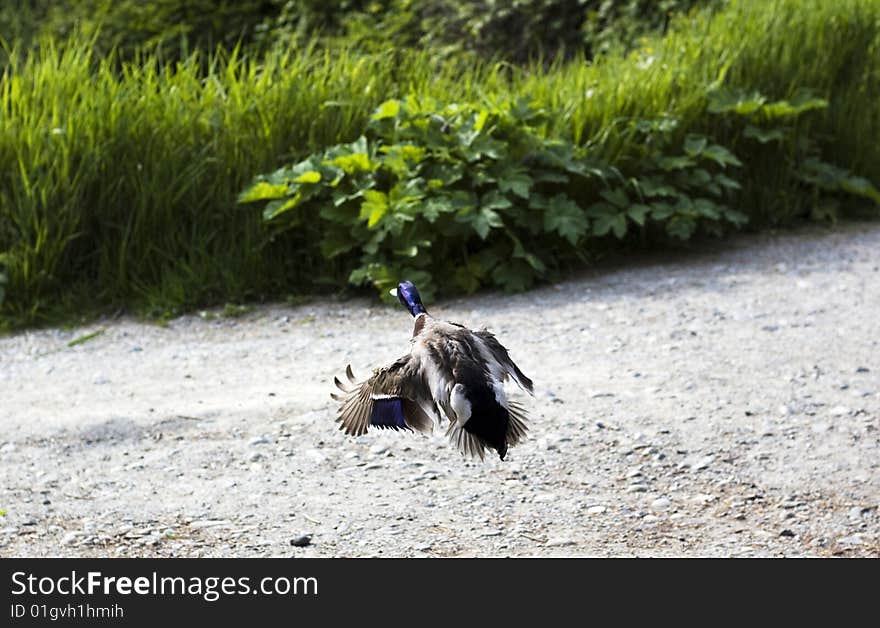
{"points": [[301, 541], [661, 503], [559, 542], [70, 538]]}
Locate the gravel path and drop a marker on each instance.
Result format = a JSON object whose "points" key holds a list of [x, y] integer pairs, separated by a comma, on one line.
{"points": [[724, 402]]}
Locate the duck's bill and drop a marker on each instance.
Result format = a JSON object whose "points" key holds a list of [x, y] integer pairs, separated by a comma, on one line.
{"points": [[393, 292]]}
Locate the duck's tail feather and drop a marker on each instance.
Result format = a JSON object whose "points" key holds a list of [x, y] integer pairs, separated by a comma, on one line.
{"points": [[516, 427], [466, 442]]}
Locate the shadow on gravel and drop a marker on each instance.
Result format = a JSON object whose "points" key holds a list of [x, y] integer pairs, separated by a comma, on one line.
{"points": [[119, 430]]}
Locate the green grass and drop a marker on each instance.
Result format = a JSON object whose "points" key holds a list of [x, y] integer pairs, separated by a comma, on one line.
{"points": [[118, 187]]}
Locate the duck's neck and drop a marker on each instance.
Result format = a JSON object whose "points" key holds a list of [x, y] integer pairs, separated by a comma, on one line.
{"points": [[421, 319], [415, 306]]}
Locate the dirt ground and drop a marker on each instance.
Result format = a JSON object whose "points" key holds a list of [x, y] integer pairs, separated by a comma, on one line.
{"points": [[722, 402]]}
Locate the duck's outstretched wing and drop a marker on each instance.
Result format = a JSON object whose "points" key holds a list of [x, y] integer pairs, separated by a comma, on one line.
{"points": [[496, 352], [394, 397]]}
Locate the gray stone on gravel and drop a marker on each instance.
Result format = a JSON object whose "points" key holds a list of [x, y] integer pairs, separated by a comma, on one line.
{"points": [[661, 503], [559, 542], [70, 538]]}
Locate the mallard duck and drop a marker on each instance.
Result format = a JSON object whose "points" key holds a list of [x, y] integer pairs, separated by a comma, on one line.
{"points": [[451, 371]]}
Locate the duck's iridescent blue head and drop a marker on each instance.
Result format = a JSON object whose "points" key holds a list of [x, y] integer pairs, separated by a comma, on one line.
{"points": [[410, 298]]}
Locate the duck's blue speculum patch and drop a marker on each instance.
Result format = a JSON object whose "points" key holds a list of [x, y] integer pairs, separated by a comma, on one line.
{"points": [[410, 298], [388, 413]]}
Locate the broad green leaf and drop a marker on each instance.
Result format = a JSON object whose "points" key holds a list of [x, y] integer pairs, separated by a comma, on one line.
{"points": [[374, 207], [341, 197], [726, 182], [669, 163], [485, 146], [713, 188], [549, 176], [466, 278], [332, 175], [388, 109], [600, 209], [514, 276], [736, 217], [735, 101], [610, 222], [721, 156], [696, 178], [522, 109], [602, 224], [638, 212], [432, 207], [263, 191], [353, 163], [280, 206], [407, 251], [341, 213], [825, 209], [495, 200], [822, 174], [620, 226], [656, 125], [706, 208], [860, 187], [533, 260], [563, 216], [481, 120], [695, 144], [681, 227], [483, 221], [310, 176], [336, 243], [654, 186], [516, 182], [661, 211], [282, 175], [801, 102], [482, 177], [763, 135], [616, 197], [447, 173]]}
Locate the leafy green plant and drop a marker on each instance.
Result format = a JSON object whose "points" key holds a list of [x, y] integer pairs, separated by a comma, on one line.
{"points": [[774, 128], [680, 190], [478, 195], [473, 194]]}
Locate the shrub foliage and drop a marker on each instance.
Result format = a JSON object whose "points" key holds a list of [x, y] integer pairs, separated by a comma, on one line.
{"points": [[462, 196]]}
